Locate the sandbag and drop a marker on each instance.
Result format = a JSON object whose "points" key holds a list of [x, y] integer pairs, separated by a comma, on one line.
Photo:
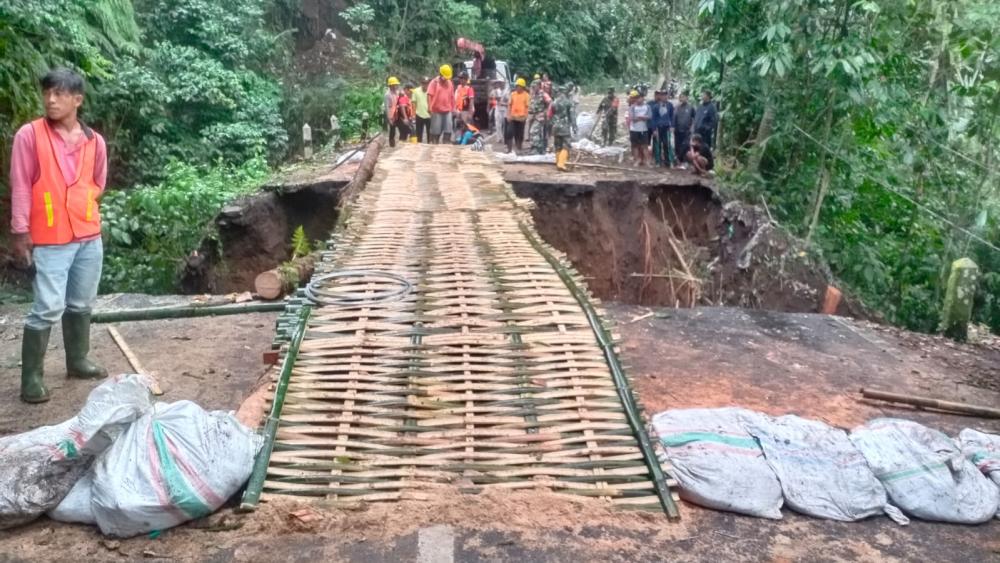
{"points": [[983, 450], [42, 465], [174, 464], [821, 473], [925, 472], [717, 463], [76, 505]]}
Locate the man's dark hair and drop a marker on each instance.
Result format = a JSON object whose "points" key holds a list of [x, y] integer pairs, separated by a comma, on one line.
{"points": [[62, 80], [685, 93], [696, 137], [707, 91]]}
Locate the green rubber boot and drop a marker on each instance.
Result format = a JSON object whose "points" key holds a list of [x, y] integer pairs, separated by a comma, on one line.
{"points": [[76, 339], [33, 346]]}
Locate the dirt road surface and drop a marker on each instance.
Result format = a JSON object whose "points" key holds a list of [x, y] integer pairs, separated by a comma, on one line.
{"points": [[810, 365]]}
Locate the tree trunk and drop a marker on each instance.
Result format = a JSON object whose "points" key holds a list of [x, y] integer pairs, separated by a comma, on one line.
{"points": [[763, 133], [823, 183], [284, 279]]}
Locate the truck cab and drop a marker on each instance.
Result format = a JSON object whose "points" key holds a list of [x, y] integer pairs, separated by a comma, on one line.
{"points": [[482, 83]]}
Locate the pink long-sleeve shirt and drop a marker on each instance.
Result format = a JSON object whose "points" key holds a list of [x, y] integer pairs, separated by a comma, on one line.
{"points": [[24, 171]]}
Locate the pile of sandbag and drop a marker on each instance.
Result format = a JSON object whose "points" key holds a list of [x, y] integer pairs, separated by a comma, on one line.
{"points": [[125, 464], [747, 462]]}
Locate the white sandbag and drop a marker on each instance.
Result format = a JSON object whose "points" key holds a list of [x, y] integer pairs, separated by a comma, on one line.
{"points": [[76, 505], [174, 464], [588, 146], [585, 122], [42, 465], [925, 473], [983, 450], [717, 463], [821, 473]]}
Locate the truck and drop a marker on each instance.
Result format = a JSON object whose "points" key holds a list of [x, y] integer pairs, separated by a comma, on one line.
{"points": [[482, 71]]}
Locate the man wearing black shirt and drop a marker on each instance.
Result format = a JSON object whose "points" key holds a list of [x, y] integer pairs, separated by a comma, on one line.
{"points": [[700, 155], [706, 119]]}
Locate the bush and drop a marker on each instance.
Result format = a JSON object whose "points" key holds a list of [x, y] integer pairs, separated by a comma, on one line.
{"points": [[148, 231]]}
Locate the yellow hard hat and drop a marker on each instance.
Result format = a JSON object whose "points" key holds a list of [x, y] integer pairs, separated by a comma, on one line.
{"points": [[633, 94], [393, 81], [445, 71], [521, 82], [538, 76]]}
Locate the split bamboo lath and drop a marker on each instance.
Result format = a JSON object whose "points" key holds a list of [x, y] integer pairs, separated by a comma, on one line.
{"points": [[493, 372]]}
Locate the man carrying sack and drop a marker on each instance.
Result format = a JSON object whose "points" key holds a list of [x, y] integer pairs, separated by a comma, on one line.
{"points": [[57, 174]]}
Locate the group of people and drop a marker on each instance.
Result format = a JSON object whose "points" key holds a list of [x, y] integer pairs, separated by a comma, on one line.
{"points": [[663, 133], [441, 111], [431, 112]]}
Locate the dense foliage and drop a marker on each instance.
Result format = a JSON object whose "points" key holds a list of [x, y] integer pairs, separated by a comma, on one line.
{"points": [[147, 230], [871, 128]]}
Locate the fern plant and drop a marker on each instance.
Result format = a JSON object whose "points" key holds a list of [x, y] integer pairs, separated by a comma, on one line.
{"points": [[300, 243]]}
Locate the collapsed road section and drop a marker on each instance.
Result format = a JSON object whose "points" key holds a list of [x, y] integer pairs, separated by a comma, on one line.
{"points": [[442, 345]]}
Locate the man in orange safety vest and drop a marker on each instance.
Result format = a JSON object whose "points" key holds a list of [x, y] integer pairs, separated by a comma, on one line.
{"points": [[57, 174]]}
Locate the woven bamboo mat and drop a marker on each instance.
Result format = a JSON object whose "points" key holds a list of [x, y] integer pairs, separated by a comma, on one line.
{"points": [[487, 374]]}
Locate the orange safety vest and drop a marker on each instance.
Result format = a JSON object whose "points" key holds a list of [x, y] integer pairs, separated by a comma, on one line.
{"points": [[61, 213], [461, 93]]}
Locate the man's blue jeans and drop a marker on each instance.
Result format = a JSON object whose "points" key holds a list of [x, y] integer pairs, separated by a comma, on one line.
{"points": [[66, 277]]}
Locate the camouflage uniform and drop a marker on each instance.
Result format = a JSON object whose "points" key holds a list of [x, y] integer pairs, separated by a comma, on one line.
{"points": [[609, 107], [563, 121], [538, 110]]}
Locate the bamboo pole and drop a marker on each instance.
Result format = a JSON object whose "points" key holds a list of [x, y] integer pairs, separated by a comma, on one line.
{"points": [[251, 496], [927, 402], [133, 360], [185, 311]]}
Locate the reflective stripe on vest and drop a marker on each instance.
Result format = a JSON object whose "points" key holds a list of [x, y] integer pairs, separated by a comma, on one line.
{"points": [[61, 213]]}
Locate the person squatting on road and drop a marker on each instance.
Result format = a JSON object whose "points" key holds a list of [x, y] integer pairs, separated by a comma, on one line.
{"points": [[700, 155], [441, 99], [58, 170], [517, 113], [563, 126]]}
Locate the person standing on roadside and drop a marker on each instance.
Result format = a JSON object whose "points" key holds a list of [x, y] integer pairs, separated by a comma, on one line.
{"points": [[520, 101], [441, 100], [390, 105], [563, 126], [58, 171], [660, 124], [706, 119], [609, 110], [464, 98], [683, 122], [500, 100], [639, 115], [538, 110], [422, 110]]}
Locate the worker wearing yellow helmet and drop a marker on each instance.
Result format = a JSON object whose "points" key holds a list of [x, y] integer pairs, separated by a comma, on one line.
{"points": [[441, 100], [391, 106]]}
